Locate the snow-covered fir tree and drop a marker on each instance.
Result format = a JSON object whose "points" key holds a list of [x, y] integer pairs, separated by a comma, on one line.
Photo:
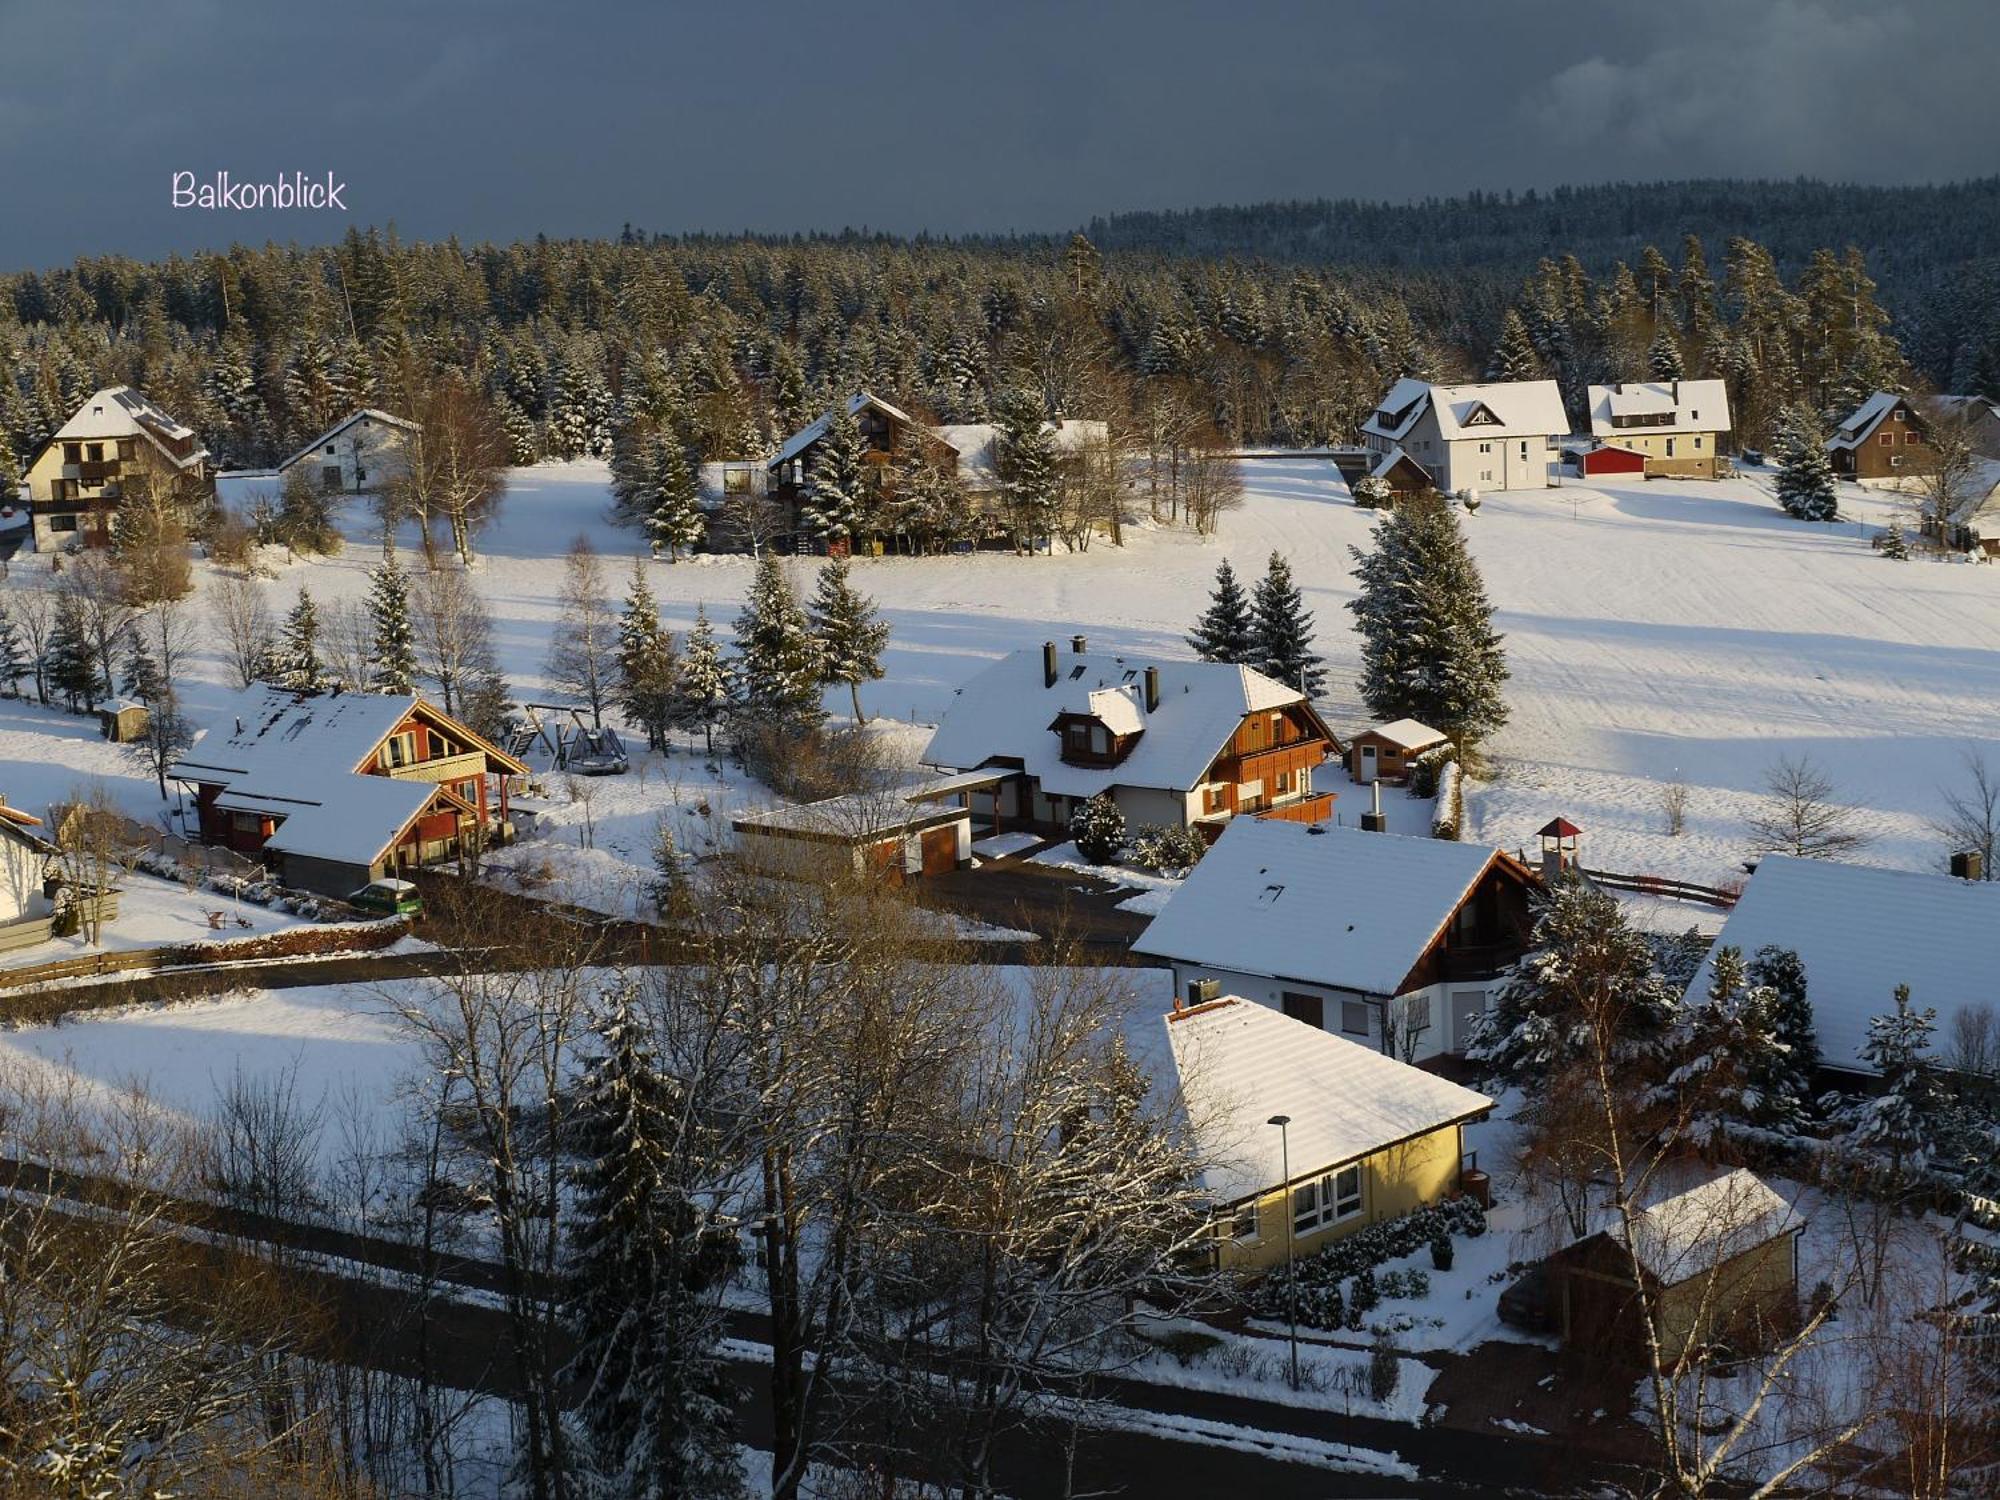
{"points": [[1428, 647], [1895, 546], [1733, 1071], [1663, 357], [847, 631], [1281, 630], [295, 663], [1805, 478], [1098, 826], [74, 666], [1585, 963], [647, 667], [1515, 356], [395, 664], [675, 519], [777, 669], [836, 484], [524, 443], [1910, 1125], [13, 654], [1781, 971], [1226, 630], [1025, 460], [646, 1260], [701, 687]]}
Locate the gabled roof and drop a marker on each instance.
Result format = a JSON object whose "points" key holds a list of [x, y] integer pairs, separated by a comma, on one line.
{"points": [[299, 758], [1694, 1233], [118, 411], [975, 444], [370, 413], [1328, 905], [1005, 711], [1406, 734], [21, 827], [1689, 405], [1865, 418], [1521, 408], [1967, 408], [1394, 459], [1239, 1063], [1861, 931], [814, 430]]}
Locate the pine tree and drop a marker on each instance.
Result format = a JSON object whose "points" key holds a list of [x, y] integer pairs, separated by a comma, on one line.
{"points": [[1663, 359], [849, 636], [1805, 478], [675, 520], [701, 688], [395, 666], [73, 663], [1910, 1125], [835, 487], [1025, 460], [643, 1273], [1514, 357], [777, 674], [1428, 648], [1736, 1069], [1226, 630], [1584, 963], [295, 663], [142, 680], [646, 665], [1780, 971], [1282, 631], [13, 654], [1098, 826], [1894, 546]]}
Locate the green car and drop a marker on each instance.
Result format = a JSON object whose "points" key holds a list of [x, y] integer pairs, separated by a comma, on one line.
{"points": [[393, 898]]}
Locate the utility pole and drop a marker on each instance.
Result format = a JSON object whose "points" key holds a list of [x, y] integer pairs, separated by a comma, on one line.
{"points": [[1285, 1206]]}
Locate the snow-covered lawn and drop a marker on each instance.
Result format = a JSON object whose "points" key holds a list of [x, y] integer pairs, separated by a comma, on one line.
{"points": [[160, 913], [1657, 631], [1330, 1378]]}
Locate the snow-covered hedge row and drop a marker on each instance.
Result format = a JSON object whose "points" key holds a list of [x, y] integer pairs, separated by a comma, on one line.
{"points": [[1424, 769], [295, 942], [1321, 1303], [1449, 817], [258, 892]]}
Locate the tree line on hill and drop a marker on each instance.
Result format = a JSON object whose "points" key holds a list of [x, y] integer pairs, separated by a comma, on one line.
{"points": [[726, 345]]}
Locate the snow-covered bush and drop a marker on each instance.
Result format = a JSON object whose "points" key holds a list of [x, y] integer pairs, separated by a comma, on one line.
{"points": [[1321, 1300], [1099, 830], [1424, 768], [1165, 849], [1372, 492]]}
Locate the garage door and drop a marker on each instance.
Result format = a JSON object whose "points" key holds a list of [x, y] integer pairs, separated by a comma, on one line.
{"points": [[940, 850]]}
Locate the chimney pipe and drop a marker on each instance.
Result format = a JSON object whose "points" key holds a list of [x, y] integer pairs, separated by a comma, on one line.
{"points": [[1677, 391], [1152, 688], [1374, 822], [1048, 664], [1969, 864], [1078, 644]]}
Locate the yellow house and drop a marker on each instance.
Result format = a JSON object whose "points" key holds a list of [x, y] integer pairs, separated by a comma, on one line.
{"points": [[1680, 427], [78, 477], [1366, 1137]]}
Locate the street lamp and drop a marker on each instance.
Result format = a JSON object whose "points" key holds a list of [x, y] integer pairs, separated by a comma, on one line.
{"points": [[1285, 1206]]}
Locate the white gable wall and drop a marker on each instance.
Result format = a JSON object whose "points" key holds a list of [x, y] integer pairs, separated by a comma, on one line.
{"points": [[1451, 1008]]}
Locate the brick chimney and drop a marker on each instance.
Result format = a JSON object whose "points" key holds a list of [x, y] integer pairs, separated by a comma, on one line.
{"points": [[1048, 664]]}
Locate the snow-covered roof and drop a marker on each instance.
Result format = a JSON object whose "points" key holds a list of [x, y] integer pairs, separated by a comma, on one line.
{"points": [[1864, 419], [1329, 905], [1861, 931], [1406, 734], [1693, 1233], [1239, 1063], [1980, 514], [118, 411], [1005, 712], [21, 827], [1517, 408], [975, 443], [857, 817], [814, 430], [1386, 464], [366, 413], [1967, 408], [1683, 406], [300, 759]]}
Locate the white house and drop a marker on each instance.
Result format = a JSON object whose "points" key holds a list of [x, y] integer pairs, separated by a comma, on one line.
{"points": [[24, 865], [1499, 436], [1181, 743], [1860, 932], [357, 454], [1390, 941], [1678, 426]]}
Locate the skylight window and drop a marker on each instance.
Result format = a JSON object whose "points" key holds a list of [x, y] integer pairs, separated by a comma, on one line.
{"points": [[1075, 672], [1270, 895]]}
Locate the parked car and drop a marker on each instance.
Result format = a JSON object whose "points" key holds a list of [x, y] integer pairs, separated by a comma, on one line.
{"points": [[393, 898]]}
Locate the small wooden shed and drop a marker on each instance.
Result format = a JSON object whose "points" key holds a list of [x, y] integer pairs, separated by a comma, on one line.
{"points": [[1383, 752], [1719, 1264], [122, 720]]}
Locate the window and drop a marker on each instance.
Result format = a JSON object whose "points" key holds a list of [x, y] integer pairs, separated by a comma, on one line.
{"points": [[1100, 742], [1305, 1208], [1347, 1192], [1326, 1200], [1485, 447], [128, 449], [94, 452], [400, 750], [1670, 447], [72, 453], [1900, 414], [1281, 784], [1416, 1013], [1895, 460], [1310, 1009], [1887, 439], [736, 481], [329, 447], [359, 474], [1697, 443], [1243, 1226], [1214, 799], [1909, 437], [65, 522], [1354, 1017]]}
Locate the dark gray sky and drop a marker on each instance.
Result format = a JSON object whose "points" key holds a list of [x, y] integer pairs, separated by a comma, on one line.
{"points": [[502, 118]]}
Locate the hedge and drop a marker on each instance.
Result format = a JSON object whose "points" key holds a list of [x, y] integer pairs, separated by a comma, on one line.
{"points": [[1321, 1303]]}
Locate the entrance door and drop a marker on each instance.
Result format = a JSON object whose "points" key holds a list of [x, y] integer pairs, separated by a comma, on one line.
{"points": [[1466, 1008], [1367, 764]]}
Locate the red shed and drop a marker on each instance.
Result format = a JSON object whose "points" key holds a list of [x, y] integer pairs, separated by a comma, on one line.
{"points": [[1611, 459]]}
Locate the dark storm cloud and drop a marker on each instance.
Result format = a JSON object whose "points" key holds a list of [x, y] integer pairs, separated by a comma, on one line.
{"points": [[503, 118]]}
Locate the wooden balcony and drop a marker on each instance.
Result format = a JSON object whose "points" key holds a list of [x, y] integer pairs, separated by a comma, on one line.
{"points": [[97, 473], [1315, 807], [1477, 960], [443, 768]]}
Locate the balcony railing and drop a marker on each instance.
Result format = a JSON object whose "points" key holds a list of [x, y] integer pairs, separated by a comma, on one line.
{"points": [[1477, 960], [443, 768]]}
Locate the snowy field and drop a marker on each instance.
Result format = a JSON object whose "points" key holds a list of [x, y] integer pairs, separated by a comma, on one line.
{"points": [[1657, 631]]}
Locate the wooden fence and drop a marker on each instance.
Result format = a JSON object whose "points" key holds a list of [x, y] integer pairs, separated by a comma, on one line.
{"points": [[1661, 885], [293, 942]]}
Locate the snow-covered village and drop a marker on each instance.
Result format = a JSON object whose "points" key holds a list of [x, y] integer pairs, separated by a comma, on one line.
{"points": [[1065, 846]]}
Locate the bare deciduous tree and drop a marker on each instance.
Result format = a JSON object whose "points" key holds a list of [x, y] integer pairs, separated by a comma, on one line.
{"points": [[583, 653], [1947, 479], [454, 466], [1802, 816], [454, 633], [1211, 483], [1971, 824], [243, 620]]}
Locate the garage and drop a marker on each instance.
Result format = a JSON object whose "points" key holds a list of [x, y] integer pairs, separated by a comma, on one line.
{"points": [[1610, 459]]}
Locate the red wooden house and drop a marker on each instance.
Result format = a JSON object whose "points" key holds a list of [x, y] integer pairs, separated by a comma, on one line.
{"points": [[335, 790]]}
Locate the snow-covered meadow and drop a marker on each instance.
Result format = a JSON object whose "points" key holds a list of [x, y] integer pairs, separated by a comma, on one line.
{"points": [[1662, 631]]}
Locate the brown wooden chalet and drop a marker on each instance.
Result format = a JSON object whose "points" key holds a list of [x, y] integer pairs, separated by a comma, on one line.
{"points": [[1887, 437], [335, 790], [886, 432], [1171, 742]]}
